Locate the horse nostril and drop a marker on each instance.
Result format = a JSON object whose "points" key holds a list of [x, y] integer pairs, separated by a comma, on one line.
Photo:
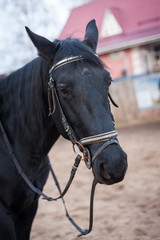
{"points": [[104, 172]]}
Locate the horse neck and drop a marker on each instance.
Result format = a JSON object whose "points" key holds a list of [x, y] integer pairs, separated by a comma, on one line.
{"points": [[24, 109]]}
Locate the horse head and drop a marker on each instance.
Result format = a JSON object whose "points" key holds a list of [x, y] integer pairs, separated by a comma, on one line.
{"points": [[82, 88]]}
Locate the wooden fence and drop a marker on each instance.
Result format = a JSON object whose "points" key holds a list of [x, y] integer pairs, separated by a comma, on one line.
{"points": [[123, 93]]}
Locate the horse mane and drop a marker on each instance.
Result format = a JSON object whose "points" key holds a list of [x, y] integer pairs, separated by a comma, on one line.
{"points": [[24, 93]]}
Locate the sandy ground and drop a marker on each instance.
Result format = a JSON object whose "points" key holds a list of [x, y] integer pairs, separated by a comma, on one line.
{"points": [[129, 210]]}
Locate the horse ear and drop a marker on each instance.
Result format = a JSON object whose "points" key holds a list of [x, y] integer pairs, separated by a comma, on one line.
{"points": [[45, 47], [91, 35]]}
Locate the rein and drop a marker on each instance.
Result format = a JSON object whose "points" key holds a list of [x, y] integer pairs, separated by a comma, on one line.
{"points": [[108, 138]]}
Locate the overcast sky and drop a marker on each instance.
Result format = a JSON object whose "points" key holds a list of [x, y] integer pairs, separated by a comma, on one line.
{"points": [[45, 17]]}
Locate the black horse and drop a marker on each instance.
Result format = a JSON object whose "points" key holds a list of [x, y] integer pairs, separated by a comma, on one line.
{"points": [[82, 86]]}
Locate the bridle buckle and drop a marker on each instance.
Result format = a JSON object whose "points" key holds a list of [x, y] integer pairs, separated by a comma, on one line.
{"points": [[88, 159]]}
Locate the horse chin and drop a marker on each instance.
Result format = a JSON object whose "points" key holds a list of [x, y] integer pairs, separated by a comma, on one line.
{"points": [[107, 181], [103, 177]]}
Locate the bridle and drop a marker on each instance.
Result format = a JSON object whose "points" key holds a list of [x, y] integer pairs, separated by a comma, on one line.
{"points": [[53, 99], [108, 138]]}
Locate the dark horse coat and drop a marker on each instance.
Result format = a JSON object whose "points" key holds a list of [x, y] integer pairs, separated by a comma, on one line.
{"points": [[83, 89]]}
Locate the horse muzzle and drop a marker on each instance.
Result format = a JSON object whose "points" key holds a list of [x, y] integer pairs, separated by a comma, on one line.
{"points": [[109, 161], [110, 165]]}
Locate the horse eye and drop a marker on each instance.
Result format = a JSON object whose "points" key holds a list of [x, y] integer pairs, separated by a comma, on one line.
{"points": [[64, 90]]}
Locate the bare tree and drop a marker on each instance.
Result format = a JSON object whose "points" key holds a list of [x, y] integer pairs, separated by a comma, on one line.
{"points": [[44, 17]]}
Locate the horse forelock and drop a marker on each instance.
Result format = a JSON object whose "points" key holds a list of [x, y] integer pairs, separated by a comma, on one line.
{"points": [[73, 47]]}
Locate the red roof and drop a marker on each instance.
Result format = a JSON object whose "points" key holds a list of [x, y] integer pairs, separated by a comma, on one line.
{"points": [[139, 19]]}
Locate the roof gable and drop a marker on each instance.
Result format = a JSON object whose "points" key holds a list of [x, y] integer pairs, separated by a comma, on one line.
{"points": [[110, 26], [134, 20]]}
